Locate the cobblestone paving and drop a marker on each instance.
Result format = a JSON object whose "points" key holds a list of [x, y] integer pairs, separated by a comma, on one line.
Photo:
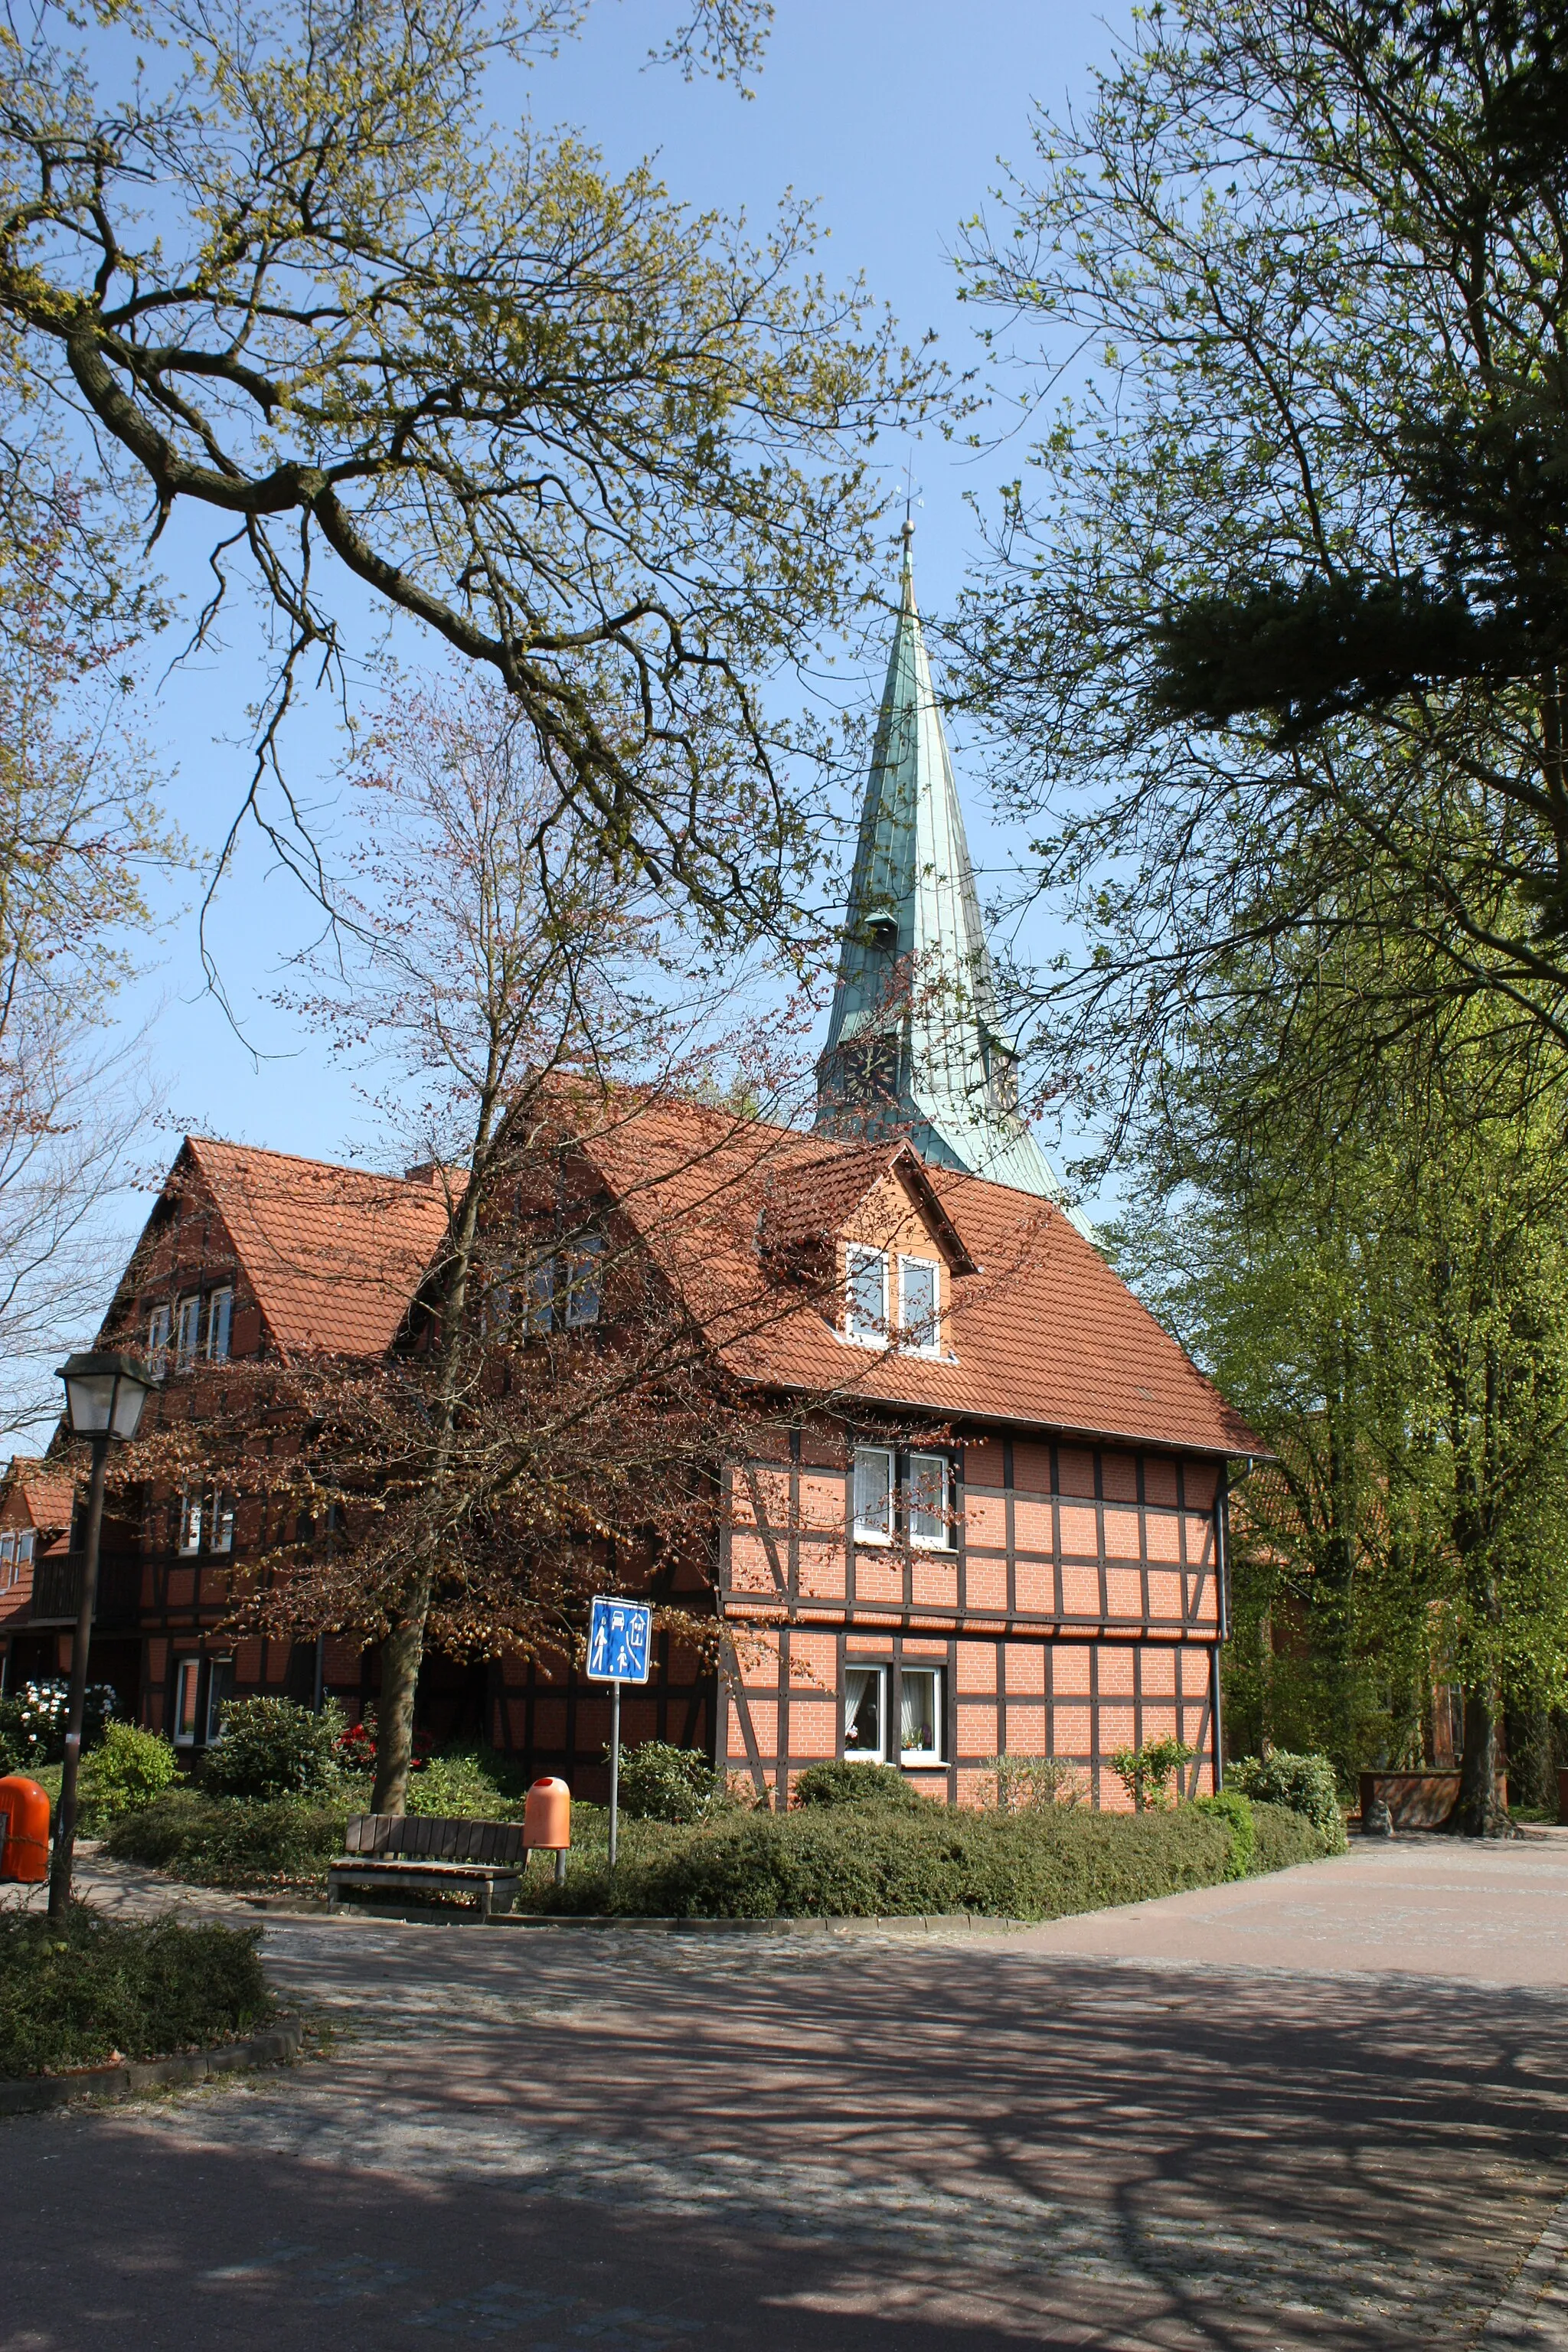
{"points": [[564, 2139]]}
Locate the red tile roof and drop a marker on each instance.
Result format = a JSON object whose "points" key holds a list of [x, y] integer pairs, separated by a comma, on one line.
{"points": [[47, 1495], [1044, 1334], [333, 1254]]}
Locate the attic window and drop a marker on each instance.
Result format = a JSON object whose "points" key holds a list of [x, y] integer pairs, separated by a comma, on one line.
{"points": [[865, 1304], [920, 1301], [158, 1342], [220, 1315], [585, 1280], [187, 1333]]}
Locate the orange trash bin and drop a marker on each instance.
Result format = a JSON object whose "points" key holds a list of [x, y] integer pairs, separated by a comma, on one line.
{"points": [[547, 1817], [25, 1817]]}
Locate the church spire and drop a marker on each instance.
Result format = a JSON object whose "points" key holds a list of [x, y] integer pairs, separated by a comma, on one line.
{"points": [[915, 1044]]}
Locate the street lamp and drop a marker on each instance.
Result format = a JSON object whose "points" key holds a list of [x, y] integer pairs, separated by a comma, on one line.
{"points": [[105, 1393]]}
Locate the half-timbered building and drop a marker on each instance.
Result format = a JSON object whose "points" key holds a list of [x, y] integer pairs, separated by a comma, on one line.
{"points": [[994, 1519]]}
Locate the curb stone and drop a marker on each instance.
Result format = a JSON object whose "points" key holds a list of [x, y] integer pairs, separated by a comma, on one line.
{"points": [[939, 1923], [33, 2093]]}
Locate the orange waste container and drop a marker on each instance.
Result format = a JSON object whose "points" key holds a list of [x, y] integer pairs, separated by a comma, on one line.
{"points": [[25, 1817], [547, 1817]]}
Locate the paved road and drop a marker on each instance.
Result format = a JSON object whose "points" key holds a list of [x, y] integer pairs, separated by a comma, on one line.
{"points": [[1326, 2109]]}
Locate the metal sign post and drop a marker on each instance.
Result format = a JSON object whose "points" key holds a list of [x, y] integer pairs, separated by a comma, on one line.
{"points": [[620, 1645]]}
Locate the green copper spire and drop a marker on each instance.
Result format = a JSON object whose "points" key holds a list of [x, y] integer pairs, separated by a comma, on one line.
{"points": [[915, 1046]]}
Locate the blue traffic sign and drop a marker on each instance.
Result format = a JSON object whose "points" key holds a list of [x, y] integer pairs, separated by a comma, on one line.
{"points": [[620, 1640]]}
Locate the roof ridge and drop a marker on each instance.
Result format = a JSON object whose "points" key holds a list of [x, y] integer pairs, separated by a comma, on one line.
{"points": [[300, 1159]]}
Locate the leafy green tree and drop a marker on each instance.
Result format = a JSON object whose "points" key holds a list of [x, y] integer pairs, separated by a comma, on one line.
{"points": [[1271, 632], [302, 291], [1379, 1278]]}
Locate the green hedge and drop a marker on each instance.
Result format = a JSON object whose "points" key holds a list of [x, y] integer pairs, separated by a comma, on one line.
{"points": [[827, 1863], [74, 1996], [228, 1841], [1286, 1837]]}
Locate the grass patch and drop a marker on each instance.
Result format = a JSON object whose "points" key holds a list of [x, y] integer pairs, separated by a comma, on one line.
{"points": [[74, 1996]]}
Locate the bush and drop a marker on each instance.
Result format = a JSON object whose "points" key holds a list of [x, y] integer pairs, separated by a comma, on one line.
{"points": [[456, 1787], [1304, 1784], [273, 1747], [1145, 1772], [232, 1840], [863, 1786], [847, 1862], [128, 1769], [1232, 1808], [33, 1722], [660, 1782], [1286, 1838], [74, 1996], [1024, 1781]]}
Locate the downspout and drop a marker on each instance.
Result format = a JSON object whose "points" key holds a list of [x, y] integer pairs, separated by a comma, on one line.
{"points": [[1221, 1558]]}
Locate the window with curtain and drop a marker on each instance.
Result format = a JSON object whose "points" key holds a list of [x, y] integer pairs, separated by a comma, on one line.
{"points": [[865, 1300], [220, 1690], [930, 1501], [190, 1534], [874, 1494], [919, 1322], [863, 1708], [187, 1684], [221, 1536], [920, 1715]]}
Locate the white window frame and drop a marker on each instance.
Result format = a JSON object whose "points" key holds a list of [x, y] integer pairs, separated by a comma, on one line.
{"points": [[858, 1258], [220, 1526], [865, 1532], [930, 1344], [187, 1676], [188, 1331], [193, 1512], [920, 1758], [158, 1323], [946, 1539], [26, 1545], [878, 1755], [220, 1323], [539, 1294], [7, 1561]]}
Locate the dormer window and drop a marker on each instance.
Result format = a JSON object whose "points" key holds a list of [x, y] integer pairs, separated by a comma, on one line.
{"points": [[920, 1306], [865, 1304]]}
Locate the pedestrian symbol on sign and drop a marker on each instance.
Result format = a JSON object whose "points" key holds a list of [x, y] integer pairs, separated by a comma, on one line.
{"points": [[619, 1641]]}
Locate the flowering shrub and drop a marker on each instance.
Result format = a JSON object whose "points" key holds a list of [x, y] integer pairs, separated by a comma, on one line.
{"points": [[356, 1745], [33, 1722]]}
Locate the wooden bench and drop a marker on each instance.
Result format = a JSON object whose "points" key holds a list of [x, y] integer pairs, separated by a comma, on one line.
{"points": [[436, 1857]]}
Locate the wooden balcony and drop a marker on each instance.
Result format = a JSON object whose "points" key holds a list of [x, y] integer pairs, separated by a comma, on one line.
{"points": [[57, 1589]]}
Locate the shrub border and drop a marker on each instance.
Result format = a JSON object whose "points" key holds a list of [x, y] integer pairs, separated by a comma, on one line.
{"points": [[30, 2094]]}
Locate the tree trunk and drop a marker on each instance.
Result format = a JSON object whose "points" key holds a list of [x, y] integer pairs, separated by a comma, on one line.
{"points": [[401, 1654], [1477, 1812]]}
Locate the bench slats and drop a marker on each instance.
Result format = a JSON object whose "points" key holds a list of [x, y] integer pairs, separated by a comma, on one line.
{"points": [[422, 1837]]}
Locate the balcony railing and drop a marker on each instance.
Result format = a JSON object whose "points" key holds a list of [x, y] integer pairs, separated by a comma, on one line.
{"points": [[57, 1589]]}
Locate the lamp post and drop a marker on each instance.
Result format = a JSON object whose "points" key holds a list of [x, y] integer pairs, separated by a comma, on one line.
{"points": [[105, 1393]]}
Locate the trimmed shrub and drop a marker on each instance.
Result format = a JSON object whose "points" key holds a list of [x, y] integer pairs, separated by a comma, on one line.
{"points": [[72, 1996], [128, 1769], [862, 1786], [273, 1747], [1286, 1838], [1304, 1784], [230, 1840], [1232, 1808], [854, 1862], [660, 1782]]}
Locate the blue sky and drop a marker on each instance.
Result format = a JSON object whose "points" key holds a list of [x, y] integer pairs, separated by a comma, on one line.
{"points": [[892, 118]]}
